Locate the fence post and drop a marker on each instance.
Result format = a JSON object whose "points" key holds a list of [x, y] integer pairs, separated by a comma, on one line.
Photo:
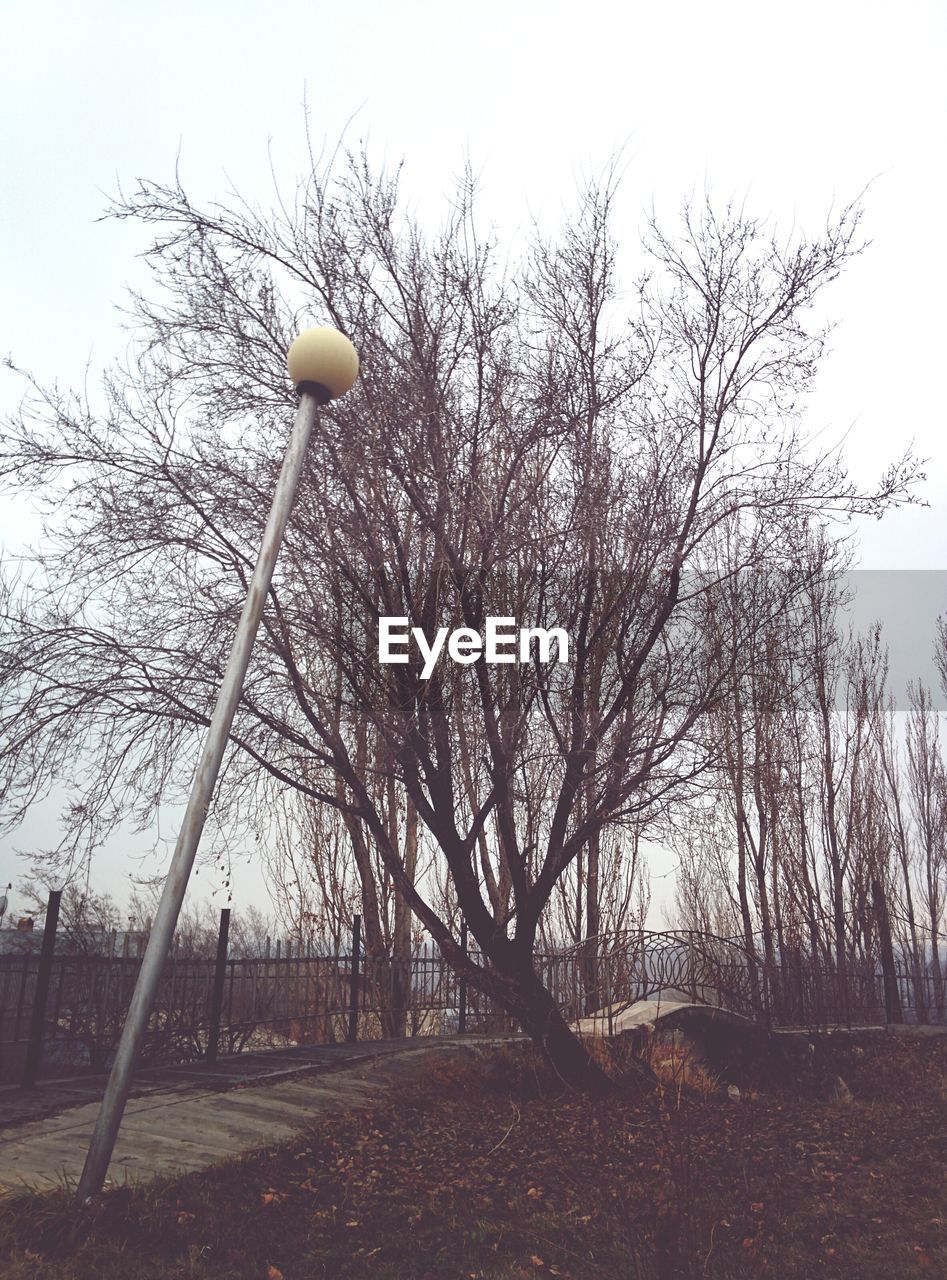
{"points": [[353, 979], [217, 996], [462, 1016], [34, 1048]]}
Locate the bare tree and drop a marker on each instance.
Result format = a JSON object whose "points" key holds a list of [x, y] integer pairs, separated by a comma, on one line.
{"points": [[88, 921], [311, 874], [523, 446]]}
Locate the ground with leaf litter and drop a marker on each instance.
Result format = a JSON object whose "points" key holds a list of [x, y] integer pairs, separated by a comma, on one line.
{"points": [[486, 1171]]}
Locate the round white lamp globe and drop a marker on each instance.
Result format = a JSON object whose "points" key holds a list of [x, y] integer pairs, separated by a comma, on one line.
{"points": [[323, 358]]}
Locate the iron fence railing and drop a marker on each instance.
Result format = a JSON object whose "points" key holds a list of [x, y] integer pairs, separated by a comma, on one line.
{"points": [[595, 982], [206, 1008], [63, 1013]]}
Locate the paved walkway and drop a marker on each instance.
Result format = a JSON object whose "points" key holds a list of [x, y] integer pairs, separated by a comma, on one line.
{"points": [[182, 1119]]}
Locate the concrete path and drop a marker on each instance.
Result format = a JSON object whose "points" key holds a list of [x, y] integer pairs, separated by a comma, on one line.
{"points": [[51, 1095], [191, 1125]]}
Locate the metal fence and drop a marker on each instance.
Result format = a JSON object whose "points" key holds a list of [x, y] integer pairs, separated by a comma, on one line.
{"points": [[594, 982], [64, 1013]]}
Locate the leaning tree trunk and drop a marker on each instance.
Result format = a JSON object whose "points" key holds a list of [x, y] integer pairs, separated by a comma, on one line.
{"points": [[542, 1020], [509, 979]]}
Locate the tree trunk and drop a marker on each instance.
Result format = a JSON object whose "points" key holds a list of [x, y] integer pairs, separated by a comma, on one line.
{"points": [[401, 934], [512, 983], [542, 1021], [917, 968], [593, 924], [892, 995], [936, 971]]}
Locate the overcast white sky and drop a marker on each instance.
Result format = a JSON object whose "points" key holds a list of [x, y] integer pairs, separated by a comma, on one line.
{"points": [[792, 106]]}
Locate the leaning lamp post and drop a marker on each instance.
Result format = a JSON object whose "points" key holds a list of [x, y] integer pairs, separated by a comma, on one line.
{"points": [[323, 365]]}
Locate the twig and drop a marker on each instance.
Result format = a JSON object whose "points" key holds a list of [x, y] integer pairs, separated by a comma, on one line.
{"points": [[508, 1132], [711, 1249]]}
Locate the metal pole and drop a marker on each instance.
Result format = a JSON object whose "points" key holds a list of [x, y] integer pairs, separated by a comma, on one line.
{"points": [[119, 1084], [34, 1049], [353, 979], [217, 996]]}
